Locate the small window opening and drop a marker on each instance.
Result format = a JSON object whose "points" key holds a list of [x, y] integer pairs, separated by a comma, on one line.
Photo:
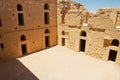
{"points": [[46, 18], [63, 32], [19, 7], [1, 45], [115, 42], [0, 22], [83, 33], [46, 6], [23, 38], [47, 31], [20, 19]]}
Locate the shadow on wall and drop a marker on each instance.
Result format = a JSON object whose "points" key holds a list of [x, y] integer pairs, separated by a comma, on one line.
{"points": [[15, 70]]}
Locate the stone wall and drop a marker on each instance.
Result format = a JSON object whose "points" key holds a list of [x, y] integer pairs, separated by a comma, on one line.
{"points": [[34, 28], [96, 34]]}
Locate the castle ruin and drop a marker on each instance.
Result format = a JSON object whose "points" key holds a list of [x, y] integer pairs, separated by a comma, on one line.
{"points": [[32, 25], [96, 34]]}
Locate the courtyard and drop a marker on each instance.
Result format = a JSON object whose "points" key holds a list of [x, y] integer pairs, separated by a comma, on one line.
{"points": [[61, 63]]}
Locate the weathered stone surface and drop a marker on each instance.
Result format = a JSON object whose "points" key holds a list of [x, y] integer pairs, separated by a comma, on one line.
{"points": [[33, 29], [101, 29]]}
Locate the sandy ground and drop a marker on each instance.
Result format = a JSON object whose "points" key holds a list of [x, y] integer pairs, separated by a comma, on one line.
{"points": [[60, 63]]}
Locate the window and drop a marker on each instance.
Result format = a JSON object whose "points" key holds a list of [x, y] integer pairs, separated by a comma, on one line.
{"points": [[20, 19], [115, 42], [23, 38], [19, 7], [63, 32], [46, 6], [46, 18], [0, 22], [20, 15], [83, 33], [1, 46], [47, 31]]}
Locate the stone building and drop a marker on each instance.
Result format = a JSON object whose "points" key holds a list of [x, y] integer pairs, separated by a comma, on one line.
{"points": [[96, 34], [26, 26]]}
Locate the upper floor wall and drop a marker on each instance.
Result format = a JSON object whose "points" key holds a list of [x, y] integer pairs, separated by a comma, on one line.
{"points": [[106, 19], [27, 14], [72, 13]]}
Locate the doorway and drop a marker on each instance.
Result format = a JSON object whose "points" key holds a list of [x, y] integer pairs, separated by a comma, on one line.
{"points": [[24, 49], [63, 41], [112, 55], [82, 45], [47, 41]]}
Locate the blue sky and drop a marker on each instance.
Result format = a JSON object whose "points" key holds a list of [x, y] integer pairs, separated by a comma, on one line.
{"points": [[93, 5]]}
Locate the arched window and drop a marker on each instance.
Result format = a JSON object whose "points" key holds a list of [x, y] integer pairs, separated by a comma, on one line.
{"points": [[63, 32], [23, 38], [47, 31], [46, 6], [19, 7], [83, 33], [115, 42]]}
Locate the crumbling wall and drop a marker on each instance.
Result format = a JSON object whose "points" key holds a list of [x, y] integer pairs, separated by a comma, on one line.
{"points": [[100, 30]]}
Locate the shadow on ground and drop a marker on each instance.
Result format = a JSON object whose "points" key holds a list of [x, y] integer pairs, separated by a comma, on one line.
{"points": [[15, 70]]}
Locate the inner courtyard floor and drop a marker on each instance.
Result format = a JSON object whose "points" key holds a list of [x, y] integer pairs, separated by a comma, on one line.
{"points": [[61, 63]]}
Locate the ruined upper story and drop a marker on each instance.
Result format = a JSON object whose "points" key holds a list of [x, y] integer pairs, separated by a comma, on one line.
{"points": [[75, 14], [18, 15], [72, 13], [108, 19]]}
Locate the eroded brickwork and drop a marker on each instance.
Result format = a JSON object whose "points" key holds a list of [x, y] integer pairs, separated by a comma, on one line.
{"points": [[26, 26], [96, 34]]}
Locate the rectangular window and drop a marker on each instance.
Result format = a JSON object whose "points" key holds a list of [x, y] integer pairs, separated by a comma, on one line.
{"points": [[20, 19], [0, 22], [46, 18], [1, 46]]}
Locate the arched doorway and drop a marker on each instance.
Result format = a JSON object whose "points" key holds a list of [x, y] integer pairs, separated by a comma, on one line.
{"points": [[47, 38], [24, 49], [47, 41], [112, 55], [23, 46], [82, 45]]}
